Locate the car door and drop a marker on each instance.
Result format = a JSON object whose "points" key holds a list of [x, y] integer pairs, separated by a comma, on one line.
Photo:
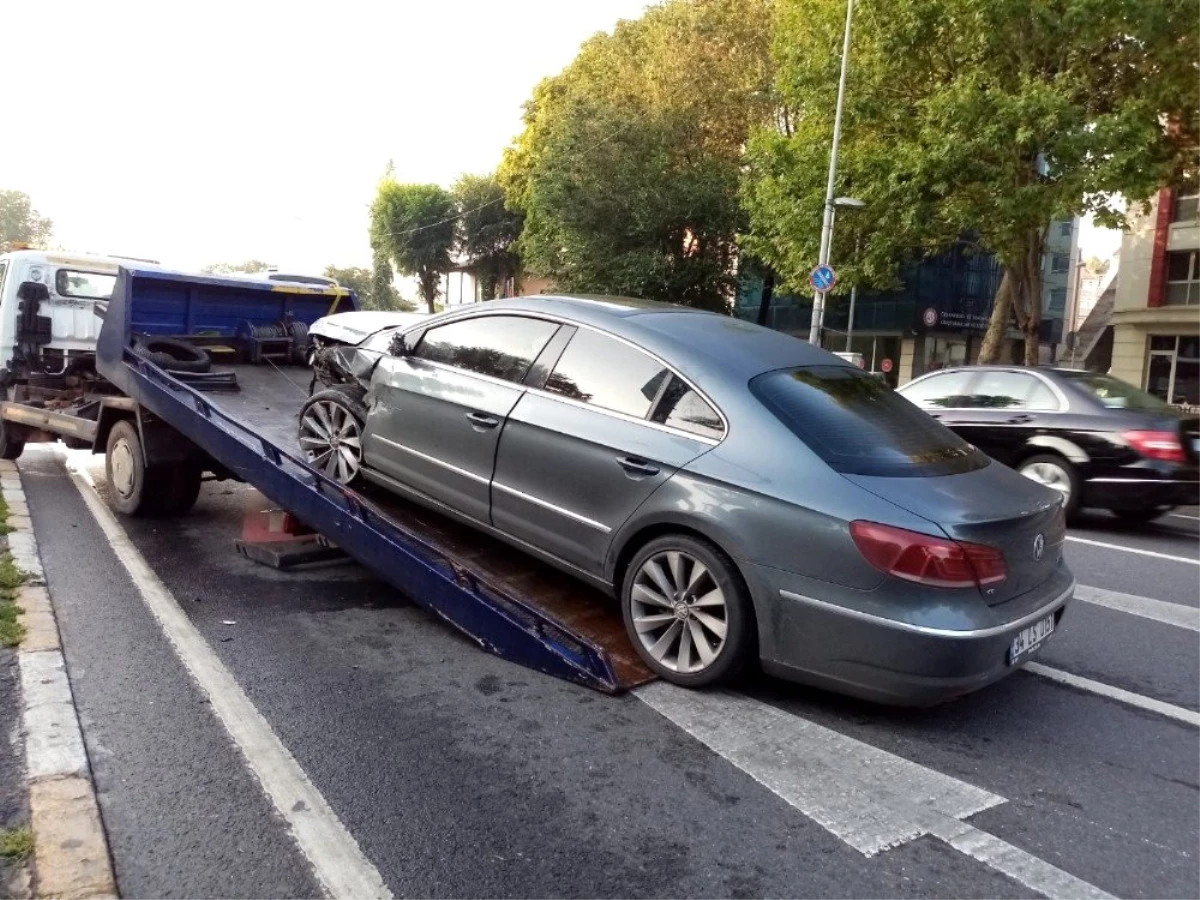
{"points": [[435, 415], [1004, 412], [579, 454]]}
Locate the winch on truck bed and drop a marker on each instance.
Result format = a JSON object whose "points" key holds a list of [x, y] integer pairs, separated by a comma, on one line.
{"points": [[162, 427]]}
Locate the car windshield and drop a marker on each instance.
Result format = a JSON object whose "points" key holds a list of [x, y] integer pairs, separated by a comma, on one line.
{"points": [[859, 426], [1112, 392]]}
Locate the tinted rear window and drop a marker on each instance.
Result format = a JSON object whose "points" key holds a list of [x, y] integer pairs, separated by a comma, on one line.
{"points": [[859, 426]]}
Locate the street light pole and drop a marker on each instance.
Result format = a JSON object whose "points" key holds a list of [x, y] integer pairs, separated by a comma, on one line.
{"points": [[818, 312], [853, 295]]}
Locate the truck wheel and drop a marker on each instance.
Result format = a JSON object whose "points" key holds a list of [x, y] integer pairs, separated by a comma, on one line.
{"points": [[133, 489], [12, 443], [182, 489]]}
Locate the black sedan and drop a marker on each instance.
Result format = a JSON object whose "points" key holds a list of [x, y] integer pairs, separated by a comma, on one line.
{"points": [[1097, 440]]}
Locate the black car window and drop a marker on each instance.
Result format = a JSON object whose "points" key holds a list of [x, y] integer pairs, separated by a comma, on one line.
{"points": [[859, 426], [1042, 397], [940, 391], [1002, 390], [604, 372], [681, 407], [1112, 392], [500, 346]]}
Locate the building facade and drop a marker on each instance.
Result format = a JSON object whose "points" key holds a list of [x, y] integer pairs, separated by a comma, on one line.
{"points": [[1156, 310], [936, 319]]}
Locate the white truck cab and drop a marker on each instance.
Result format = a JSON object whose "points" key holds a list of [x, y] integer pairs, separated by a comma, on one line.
{"points": [[64, 324]]}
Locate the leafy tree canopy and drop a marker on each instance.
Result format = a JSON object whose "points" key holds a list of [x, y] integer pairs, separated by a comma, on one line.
{"points": [[627, 169], [487, 231], [372, 293], [413, 226], [987, 118], [19, 221]]}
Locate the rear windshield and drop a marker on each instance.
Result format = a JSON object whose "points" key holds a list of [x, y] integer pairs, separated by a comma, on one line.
{"points": [[859, 426], [1112, 392]]}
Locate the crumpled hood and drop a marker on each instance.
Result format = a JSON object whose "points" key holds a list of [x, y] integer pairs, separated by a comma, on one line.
{"points": [[354, 327]]}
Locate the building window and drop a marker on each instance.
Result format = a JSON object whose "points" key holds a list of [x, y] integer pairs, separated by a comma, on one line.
{"points": [[1058, 302], [1174, 371], [1064, 229], [1187, 207], [1183, 278], [1060, 263]]}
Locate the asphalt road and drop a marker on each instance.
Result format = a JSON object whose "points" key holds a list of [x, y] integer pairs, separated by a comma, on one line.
{"points": [[459, 774]]}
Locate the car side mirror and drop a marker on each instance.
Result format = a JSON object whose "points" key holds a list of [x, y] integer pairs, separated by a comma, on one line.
{"points": [[399, 345]]}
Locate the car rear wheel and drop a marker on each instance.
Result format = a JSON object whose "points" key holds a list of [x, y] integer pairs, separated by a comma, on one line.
{"points": [[1057, 474], [331, 427], [687, 611]]}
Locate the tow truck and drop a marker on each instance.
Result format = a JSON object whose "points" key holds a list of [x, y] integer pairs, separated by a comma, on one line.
{"points": [[177, 377]]}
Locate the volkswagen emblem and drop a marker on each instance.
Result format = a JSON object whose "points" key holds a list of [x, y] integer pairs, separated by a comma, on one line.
{"points": [[1039, 547]]}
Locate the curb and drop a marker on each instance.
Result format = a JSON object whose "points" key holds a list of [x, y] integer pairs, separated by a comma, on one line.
{"points": [[70, 856]]}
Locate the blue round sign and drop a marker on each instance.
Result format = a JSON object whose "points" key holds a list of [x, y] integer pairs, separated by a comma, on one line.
{"points": [[822, 278]]}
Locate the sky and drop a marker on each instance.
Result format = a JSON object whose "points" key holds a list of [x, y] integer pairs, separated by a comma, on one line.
{"points": [[196, 133]]}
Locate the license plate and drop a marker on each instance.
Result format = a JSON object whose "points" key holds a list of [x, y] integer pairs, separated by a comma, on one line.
{"points": [[1029, 639]]}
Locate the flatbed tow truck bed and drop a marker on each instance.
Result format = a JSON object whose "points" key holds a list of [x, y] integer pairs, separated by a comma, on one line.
{"points": [[510, 604]]}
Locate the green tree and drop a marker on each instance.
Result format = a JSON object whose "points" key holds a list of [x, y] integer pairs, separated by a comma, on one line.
{"points": [[986, 118], [372, 294], [412, 225], [627, 169], [19, 221], [487, 232], [250, 266]]}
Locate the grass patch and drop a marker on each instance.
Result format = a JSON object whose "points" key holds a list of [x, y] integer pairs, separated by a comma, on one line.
{"points": [[16, 844], [11, 578], [5, 528]]}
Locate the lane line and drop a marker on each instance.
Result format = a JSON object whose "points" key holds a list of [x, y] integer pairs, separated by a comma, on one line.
{"points": [[1184, 516], [336, 859], [871, 799], [1160, 611], [1140, 552], [1170, 710]]}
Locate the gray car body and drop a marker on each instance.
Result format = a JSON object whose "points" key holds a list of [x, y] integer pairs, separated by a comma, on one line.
{"points": [[546, 479]]}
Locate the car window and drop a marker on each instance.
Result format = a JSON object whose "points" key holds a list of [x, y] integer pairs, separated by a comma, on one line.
{"points": [[500, 346], [681, 407], [941, 391], [1002, 390], [1042, 397], [604, 372], [859, 426], [1112, 392]]}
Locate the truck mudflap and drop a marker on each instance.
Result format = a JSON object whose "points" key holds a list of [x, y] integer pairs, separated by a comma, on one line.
{"points": [[548, 630]]}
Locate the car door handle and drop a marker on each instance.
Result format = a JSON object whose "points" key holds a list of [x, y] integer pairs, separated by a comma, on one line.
{"points": [[1020, 419], [634, 466], [482, 420]]}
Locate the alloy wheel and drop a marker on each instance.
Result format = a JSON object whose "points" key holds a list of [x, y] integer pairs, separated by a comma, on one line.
{"points": [[331, 438], [679, 612], [1050, 475]]}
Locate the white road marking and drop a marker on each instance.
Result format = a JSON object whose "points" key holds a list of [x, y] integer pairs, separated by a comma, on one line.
{"points": [[1169, 613], [1184, 516], [1121, 695], [1140, 552], [871, 799], [337, 861]]}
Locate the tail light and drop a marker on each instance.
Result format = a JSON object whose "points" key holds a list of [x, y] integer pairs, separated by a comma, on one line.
{"points": [[925, 559], [1163, 445]]}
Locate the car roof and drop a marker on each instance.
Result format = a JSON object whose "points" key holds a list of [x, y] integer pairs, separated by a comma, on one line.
{"points": [[699, 343]]}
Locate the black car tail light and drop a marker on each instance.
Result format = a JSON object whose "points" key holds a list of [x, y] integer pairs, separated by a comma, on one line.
{"points": [[1161, 445], [925, 559]]}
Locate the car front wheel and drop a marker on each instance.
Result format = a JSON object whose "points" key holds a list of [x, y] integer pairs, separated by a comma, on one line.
{"points": [[331, 427], [687, 611], [1057, 474]]}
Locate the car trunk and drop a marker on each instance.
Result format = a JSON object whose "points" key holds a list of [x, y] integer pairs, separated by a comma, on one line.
{"points": [[1189, 436], [993, 506]]}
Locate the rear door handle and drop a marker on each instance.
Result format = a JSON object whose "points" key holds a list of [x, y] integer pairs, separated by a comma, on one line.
{"points": [[635, 466], [1020, 419], [482, 420]]}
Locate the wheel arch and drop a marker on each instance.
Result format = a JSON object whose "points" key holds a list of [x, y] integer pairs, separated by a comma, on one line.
{"points": [[1040, 444]]}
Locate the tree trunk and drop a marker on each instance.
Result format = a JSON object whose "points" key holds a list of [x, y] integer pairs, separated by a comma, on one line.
{"points": [[764, 306], [993, 341], [1027, 295]]}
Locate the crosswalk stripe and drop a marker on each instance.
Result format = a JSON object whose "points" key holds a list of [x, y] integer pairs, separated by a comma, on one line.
{"points": [[1170, 710], [1168, 613], [1137, 550]]}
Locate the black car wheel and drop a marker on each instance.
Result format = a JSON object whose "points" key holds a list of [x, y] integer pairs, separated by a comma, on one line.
{"points": [[1141, 516], [331, 427], [687, 611], [1057, 474]]}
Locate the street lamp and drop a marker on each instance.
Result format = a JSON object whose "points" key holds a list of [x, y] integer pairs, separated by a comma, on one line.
{"points": [[818, 312]]}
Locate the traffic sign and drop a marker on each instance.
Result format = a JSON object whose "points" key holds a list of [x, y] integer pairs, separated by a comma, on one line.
{"points": [[885, 366], [822, 278]]}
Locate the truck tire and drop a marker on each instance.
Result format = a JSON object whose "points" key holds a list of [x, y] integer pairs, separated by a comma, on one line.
{"points": [[12, 441], [173, 355], [125, 471]]}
